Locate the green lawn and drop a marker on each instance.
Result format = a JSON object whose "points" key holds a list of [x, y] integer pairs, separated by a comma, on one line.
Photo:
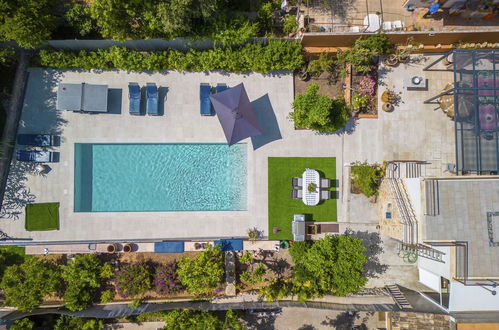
{"points": [[42, 216], [282, 207]]}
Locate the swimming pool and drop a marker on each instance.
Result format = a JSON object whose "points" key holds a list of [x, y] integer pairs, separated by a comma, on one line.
{"points": [[159, 177]]}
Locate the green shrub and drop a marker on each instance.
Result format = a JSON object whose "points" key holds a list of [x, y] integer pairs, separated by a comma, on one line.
{"points": [[362, 53], [360, 101], [65, 322], [22, 324], [25, 285], [290, 24], [265, 16], [367, 177], [191, 319], [255, 277], [133, 280], [246, 258], [319, 112], [107, 271], [82, 277], [107, 296], [277, 55], [323, 63], [135, 304], [202, 274], [231, 30]]}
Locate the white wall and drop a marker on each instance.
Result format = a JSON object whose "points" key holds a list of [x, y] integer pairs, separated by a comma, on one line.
{"points": [[429, 279], [438, 268], [413, 186], [472, 298]]}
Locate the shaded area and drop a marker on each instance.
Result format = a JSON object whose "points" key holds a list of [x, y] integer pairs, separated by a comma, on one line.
{"points": [[47, 120], [348, 320], [373, 244], [267, 120], [114, 101]]}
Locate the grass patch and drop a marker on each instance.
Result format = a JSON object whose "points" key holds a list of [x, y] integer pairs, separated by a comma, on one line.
{"points": [[42, 216], [282, 207]]}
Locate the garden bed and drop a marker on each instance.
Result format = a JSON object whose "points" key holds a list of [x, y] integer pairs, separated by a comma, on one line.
{"points": [[327, 85], [360, 85]]}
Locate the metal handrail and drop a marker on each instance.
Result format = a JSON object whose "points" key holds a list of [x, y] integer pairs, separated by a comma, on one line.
{"points": [[406, 211]]}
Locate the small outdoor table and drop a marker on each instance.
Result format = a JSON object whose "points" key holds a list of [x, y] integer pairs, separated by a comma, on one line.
{"points": [[415, 81], [311, 177]]}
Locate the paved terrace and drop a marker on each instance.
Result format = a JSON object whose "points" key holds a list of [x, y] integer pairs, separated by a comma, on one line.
{"points": [[412, 131]]}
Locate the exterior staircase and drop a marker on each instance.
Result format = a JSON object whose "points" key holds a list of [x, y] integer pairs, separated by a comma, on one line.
{"points": [[398, 297]]}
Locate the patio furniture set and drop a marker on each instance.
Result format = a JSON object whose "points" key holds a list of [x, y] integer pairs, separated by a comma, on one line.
{"points": [[311, 188], [300, 229], [374, 23], [41, 141], [135, 98]]}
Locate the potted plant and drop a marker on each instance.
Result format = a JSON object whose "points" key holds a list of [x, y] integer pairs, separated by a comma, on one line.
{"points": [[391, 60], [388, 97], [311, 187], [127, 247], [387, 107], [111, 248]]}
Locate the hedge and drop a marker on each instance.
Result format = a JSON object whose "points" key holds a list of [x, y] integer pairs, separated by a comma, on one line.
{"points": [[276, 55]]}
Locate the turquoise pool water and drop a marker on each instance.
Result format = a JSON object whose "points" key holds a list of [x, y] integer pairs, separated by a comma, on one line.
{"points": [[159, 177]]}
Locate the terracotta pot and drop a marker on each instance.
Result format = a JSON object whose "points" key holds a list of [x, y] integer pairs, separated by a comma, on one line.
{"points": [[111, 248], [303, 75], [387, 107], [127, 247]]}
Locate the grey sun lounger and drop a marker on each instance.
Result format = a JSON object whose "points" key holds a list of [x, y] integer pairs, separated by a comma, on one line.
{"points": [[36, 156], [134, 97], [152, 99], [36, 140], [204, 99]]}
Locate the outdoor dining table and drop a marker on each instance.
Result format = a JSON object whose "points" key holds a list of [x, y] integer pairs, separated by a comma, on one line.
{"points": [[311, 177]]}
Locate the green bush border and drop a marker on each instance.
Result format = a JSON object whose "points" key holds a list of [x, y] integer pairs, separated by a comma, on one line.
{"points": [[276, 55]]}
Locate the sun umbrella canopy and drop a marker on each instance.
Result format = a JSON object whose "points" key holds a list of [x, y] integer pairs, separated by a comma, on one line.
{"points": [[235, 113]]}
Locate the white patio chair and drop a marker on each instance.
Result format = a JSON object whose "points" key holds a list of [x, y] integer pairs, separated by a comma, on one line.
{"points": [[355, 29], [398, 25], [387, 26]]}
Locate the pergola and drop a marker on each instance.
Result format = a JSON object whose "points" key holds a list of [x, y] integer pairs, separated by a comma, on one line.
{"points": [[476, 99]]}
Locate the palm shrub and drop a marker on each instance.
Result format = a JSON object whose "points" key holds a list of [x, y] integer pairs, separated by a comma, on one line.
{"points": [[166, 279], [25, 285], [133, 280], [202, 274], [319, 112], [367, 177], [254, 277], [290, 24], [82, 277]]}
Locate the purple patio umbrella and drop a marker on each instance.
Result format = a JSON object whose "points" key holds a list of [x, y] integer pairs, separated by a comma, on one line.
{"points": [[235, 113]]}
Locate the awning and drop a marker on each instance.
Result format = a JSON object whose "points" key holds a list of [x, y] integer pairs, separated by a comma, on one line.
{"points": [[169, 247], [230, 244]]}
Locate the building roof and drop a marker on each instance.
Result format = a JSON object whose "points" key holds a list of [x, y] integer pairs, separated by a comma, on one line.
{"points": [[464, 204]]}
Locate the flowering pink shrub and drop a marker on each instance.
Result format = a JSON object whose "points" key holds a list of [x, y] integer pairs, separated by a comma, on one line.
{"points": [[367, 85], [166, 279], [132, 280]]}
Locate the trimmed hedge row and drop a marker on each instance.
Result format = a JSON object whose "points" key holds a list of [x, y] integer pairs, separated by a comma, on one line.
{"points": [[276, 55]]}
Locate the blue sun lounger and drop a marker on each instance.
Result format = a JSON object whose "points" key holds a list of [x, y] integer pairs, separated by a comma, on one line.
{"points": [[221, 87], [152, 99], [134, 97], [204, 99], [36, 140], [36, 156]]}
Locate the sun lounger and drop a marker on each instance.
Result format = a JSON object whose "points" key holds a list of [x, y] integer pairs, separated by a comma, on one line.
{"points": [[152, 99], [221, 87], [325, 183], [36, 140], [134, 97], [36, 156], [204, 98]]}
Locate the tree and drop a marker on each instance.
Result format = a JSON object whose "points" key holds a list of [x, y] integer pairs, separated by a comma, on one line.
{"points": [[27, 284], [231, 30], [78, 18], [179, 319], [202, 274], [319, 112], [367, 177], [22, 324], [82, 277], [332, 265], [29, 22], [66, 322]]}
